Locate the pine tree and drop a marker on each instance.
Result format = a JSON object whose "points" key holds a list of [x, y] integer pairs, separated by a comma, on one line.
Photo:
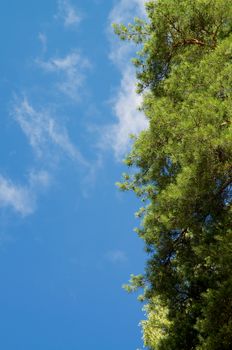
{"points": [[181, 168]]}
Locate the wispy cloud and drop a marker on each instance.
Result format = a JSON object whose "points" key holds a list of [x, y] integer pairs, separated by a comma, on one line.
{"points": [[68, 14], [116, 256], [47, 138], [50, 141], [39, 179], [129, 119], [15, 196], [125, 106], [43, 40], [70, 72], [22, 198], [126, 10]]}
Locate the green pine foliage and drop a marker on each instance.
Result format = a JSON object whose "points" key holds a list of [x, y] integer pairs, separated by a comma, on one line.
{"points": [[181, 168]]}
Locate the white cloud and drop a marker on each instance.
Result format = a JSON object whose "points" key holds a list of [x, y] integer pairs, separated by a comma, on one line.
{"points": [[15, 196], [125, 10], [69, 70], [129, 119], [22, 198], [116, 256], [121, 53], [47, 138], [68, 14]]}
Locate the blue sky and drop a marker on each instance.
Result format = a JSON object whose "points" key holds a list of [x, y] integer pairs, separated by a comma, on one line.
{"points": [[67, 244]]}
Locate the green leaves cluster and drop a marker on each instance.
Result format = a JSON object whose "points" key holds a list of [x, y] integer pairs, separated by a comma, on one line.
{"points": [[182, 171]]}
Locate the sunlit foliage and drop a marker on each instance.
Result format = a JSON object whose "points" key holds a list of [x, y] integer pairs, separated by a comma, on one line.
{"points": [[181, 168]]}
